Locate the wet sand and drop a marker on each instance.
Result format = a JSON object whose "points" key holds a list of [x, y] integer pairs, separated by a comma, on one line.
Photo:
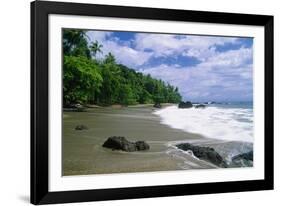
{"points": [[83, 152]]}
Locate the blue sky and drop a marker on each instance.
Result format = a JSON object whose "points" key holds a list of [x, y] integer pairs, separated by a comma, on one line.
{"points": [[204, 68]]}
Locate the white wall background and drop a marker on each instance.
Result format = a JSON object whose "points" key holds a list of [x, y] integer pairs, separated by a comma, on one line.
{"points": [[14, 102]]}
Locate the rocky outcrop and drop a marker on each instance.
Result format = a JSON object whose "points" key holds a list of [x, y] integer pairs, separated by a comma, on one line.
{"points": [[157, 105], [204, 153], [121, 143], [200, 106], [81, 127], [185, 105], [243, 160]]}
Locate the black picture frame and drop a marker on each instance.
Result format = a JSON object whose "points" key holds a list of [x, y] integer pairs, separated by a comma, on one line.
{"points": [[40, 112]]}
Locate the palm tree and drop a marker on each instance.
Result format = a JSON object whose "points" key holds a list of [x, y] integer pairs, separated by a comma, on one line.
{"points": [[109, 58], [72, 38], [95, 48]]}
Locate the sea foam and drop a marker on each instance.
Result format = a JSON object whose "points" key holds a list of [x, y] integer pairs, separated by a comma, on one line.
{"points": [[234, 124]]}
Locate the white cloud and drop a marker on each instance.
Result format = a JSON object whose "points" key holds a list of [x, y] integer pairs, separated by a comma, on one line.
{"points": [[225, 76], [201, 47], [160, 44], [99, 36], [170, 74], [125, 54], [122, 51], [233, 58], [144, 46]]}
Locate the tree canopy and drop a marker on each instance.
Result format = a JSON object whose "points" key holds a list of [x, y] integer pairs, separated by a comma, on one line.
{"points": [[105, 82]]}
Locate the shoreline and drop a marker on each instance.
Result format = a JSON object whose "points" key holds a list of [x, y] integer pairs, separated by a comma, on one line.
{"points": [[116, 106], [83, 153]]}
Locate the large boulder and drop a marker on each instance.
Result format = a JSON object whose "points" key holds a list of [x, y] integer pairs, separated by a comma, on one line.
{"points": [[200, 106], [121, 143], [185, 105], [243, 160], [205, 153]]}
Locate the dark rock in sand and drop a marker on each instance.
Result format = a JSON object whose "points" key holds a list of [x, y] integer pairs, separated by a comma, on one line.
{"points": [[205, 153], [81, 127], [142, 145], [157, 105], [243, 160], [246, 156], [121, 143], [185, 105], [200, 106]]}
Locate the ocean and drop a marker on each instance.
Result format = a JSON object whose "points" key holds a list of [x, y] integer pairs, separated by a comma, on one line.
{"points": [[224, 121]]}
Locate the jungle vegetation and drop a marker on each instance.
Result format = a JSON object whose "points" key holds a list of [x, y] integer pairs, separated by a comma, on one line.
{"points": [[88, 80]]}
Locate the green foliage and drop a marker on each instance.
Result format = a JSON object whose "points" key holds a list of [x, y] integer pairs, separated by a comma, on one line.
{"points": [[95, 48], [75, 43], [126, 95], [109, 59], [81, 80], [86, 80]]}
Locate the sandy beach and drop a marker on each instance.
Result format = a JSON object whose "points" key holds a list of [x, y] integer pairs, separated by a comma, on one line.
{"points": [[83, 152]]}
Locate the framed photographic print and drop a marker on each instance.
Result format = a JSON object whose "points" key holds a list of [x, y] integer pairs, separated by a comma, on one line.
{"points": [[131, 102]]}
